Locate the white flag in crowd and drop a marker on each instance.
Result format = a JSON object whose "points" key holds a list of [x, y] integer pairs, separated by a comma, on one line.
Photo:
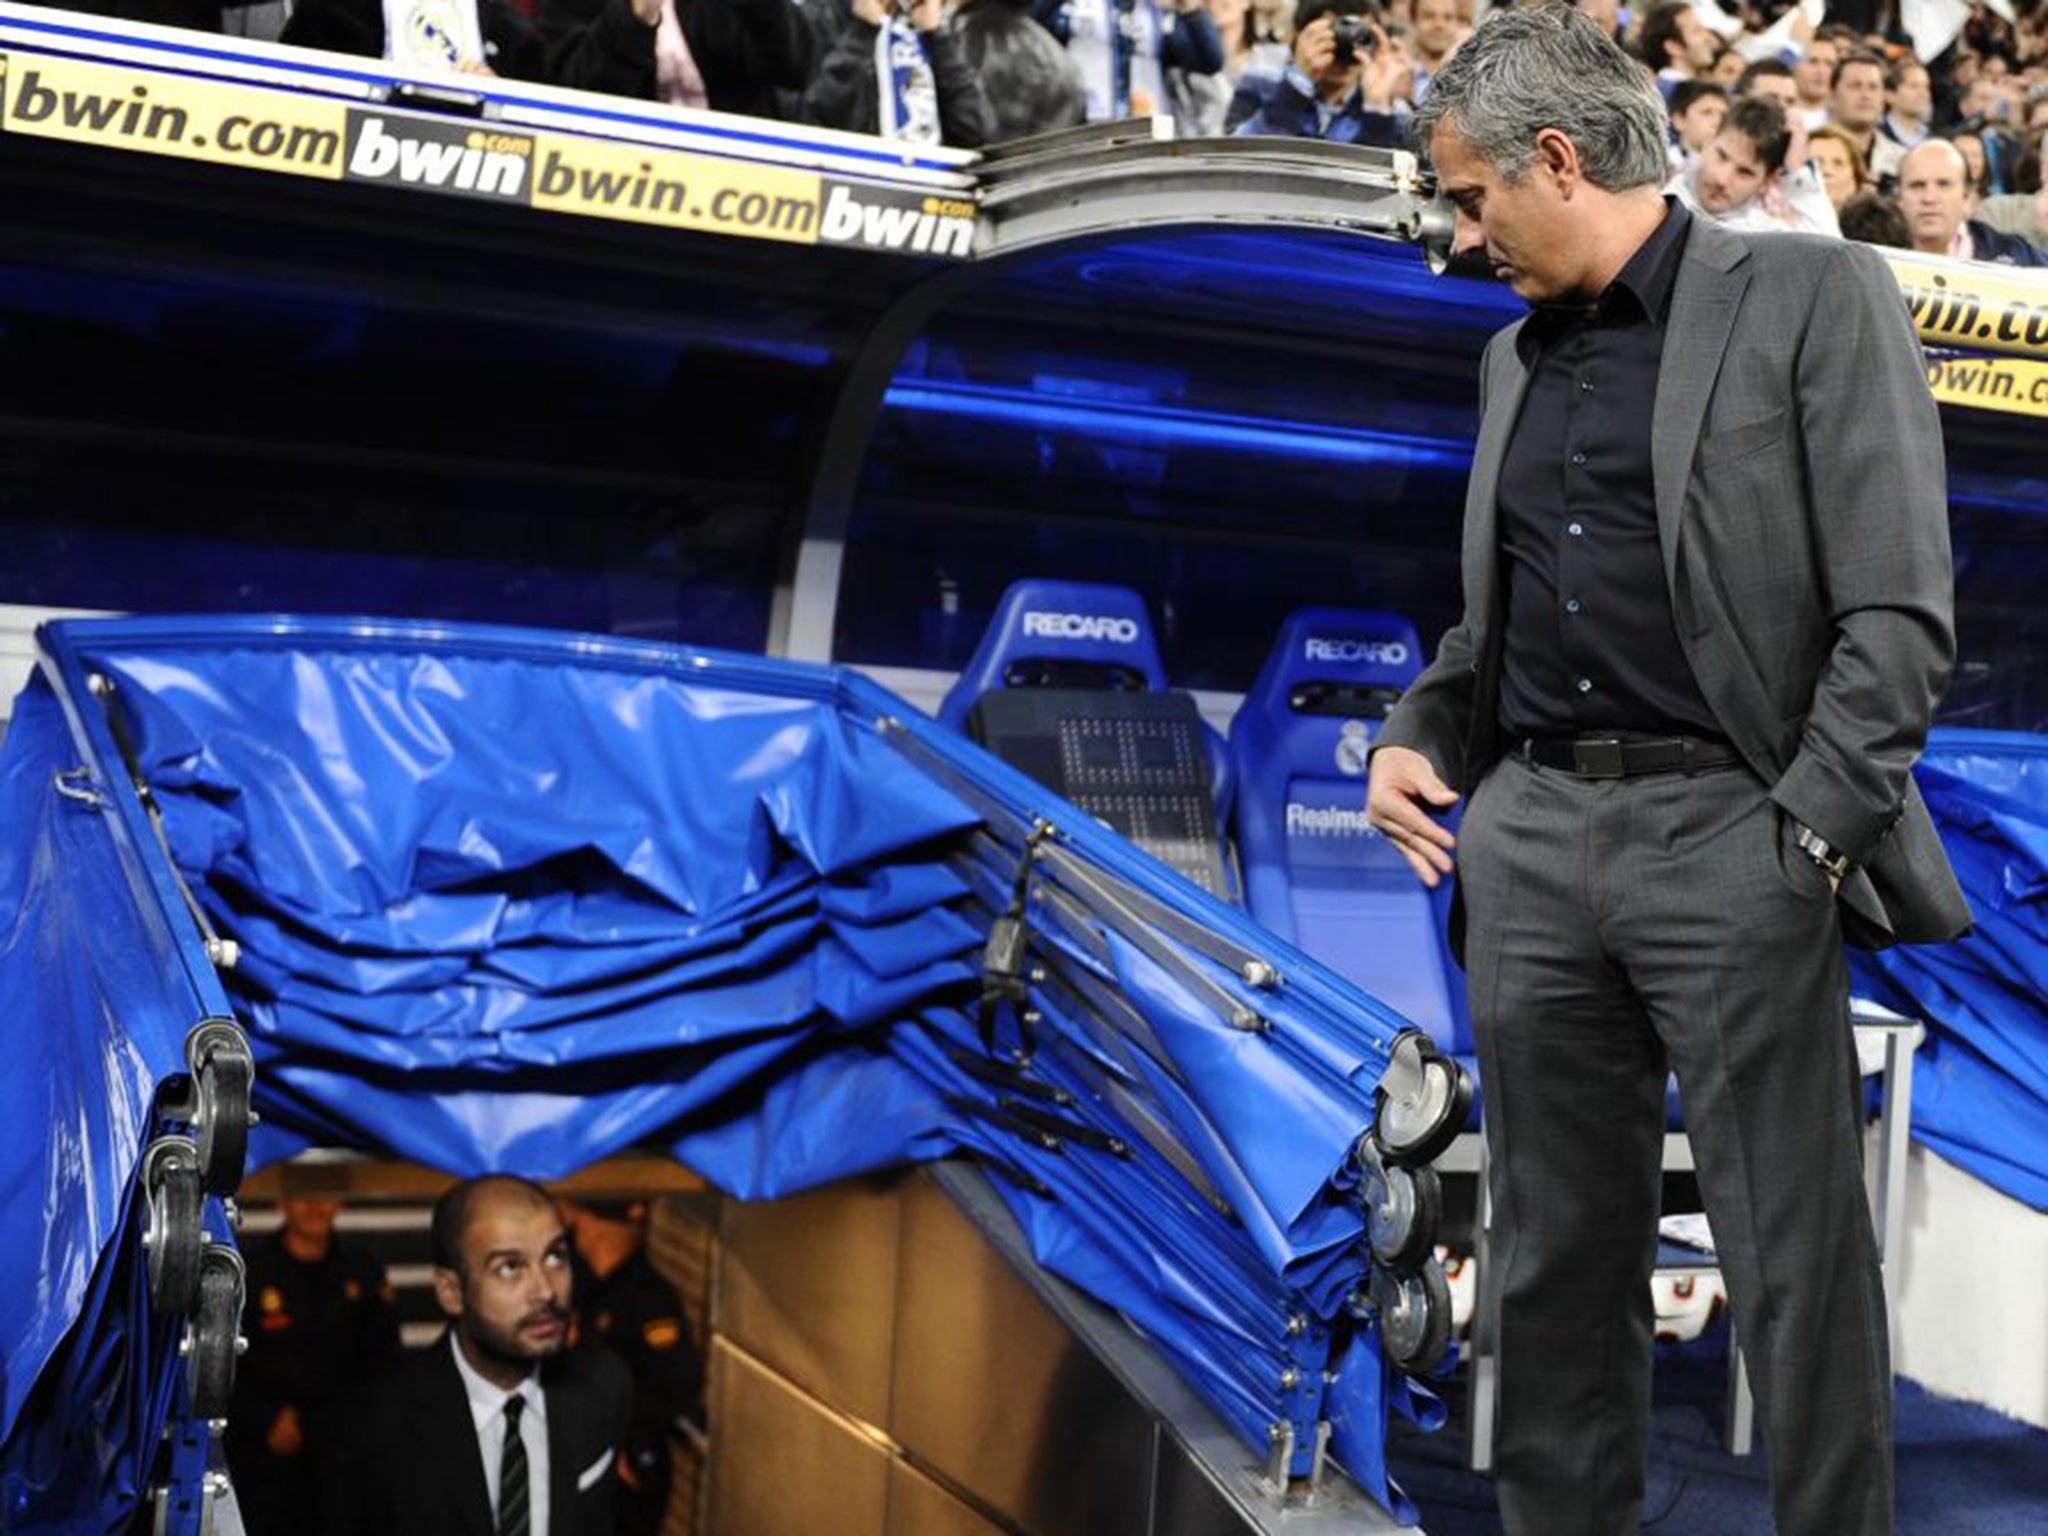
{"points": [[432, 34], [1937, 23]]}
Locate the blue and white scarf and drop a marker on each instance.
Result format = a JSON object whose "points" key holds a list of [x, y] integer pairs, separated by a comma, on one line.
{"points": [[1117, 44], [909, 90]]}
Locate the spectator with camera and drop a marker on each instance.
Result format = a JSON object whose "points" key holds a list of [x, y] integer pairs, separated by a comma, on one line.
{"points": [[894, 69], [1342, 83], [1125, 47], [727, 55]]}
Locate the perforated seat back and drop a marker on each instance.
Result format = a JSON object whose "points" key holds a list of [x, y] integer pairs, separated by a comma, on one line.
{"points": [[1314, 871], [1086, 637], [1138, 762]]}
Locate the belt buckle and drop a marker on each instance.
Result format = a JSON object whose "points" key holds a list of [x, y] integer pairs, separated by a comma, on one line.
{"points": [[1599, 758]]}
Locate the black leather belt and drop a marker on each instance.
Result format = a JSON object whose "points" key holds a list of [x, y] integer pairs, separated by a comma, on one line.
{"points": [[1617, 757]]}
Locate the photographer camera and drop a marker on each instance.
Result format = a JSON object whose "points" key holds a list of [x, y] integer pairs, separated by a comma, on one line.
{"points": [[1345, 83]]}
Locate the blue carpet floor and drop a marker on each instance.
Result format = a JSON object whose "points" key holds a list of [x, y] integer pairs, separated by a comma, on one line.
{"points": [[1962, 1470]]}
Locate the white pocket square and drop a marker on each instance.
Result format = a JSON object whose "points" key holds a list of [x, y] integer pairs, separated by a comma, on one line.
{"points": [[587, 1479]]}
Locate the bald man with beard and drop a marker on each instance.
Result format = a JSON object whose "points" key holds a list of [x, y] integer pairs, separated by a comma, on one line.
{"points": [[498, 1428]]}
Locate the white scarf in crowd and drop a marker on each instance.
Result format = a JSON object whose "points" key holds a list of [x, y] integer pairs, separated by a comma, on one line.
{"points": [[909, 92], [432, 34], [1093, 30]]}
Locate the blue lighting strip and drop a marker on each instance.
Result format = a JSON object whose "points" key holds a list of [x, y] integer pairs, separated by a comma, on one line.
{"points": [[504, 92], [1176, 425]]}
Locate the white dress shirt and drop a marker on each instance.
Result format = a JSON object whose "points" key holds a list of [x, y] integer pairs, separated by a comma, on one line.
{"points": [[487, 1410]]}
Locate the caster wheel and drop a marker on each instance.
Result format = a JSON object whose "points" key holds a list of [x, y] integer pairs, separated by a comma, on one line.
{"points": [[1403, 1208], [1424, 1098], [171, 1235], [1414, 1309], [212, 1337]]}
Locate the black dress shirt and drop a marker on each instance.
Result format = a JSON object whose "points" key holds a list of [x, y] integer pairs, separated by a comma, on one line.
{"points": [[1590, 644]]}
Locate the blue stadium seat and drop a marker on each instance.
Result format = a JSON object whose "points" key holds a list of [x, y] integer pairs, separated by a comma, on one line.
{"points": [[1065, 639], [1069, 634], [1314, 872]]}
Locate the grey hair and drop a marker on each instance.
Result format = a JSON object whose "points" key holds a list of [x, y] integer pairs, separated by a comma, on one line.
{"points": [[1550, 66]]}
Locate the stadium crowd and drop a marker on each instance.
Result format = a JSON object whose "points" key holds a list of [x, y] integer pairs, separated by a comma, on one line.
{"points": [[1827, 115]]}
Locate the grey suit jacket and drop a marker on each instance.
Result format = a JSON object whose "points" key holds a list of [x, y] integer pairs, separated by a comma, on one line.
{"points": [[1802, 508]]}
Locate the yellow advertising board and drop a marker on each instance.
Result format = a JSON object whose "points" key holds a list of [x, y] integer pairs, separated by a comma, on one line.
{"points": [[230, 123], [163, 114], [1975, 304], [610, 180], [2015, 385]]}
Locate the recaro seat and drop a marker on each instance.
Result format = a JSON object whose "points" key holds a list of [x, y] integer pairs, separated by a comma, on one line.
{"points": [[1314, 871], [1068, 686]]}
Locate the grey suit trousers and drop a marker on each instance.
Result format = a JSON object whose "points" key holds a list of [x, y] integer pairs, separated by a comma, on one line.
{"points": [[1620, 929]]}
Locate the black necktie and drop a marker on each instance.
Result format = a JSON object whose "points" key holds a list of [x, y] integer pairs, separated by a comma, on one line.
{"points": [[515, 1514]]}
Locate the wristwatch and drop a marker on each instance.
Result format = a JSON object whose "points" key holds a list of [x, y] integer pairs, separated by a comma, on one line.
{"points": [[1821, 851]]}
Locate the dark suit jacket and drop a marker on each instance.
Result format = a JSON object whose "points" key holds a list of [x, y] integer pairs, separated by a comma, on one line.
{"points": [[408, 1463], [1803, 512], [357, 26], [747, 50]]}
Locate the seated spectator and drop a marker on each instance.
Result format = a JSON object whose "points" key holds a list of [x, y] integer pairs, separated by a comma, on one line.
{"points": [[1742, 180], [1814, 79], [510, 46], [1675, 43], [1909, 104], [1125, 48], [1341, 85], [1971, 147], [727, 55], [1874, 219], [1697, 108], [1992, 109], [1856, 105], [1727, 67], [900, 74], [1770, 80], [2021, 212], [1835, 155], [1200, 101], [1935, 193], [1439, 28], [1031, 83]]}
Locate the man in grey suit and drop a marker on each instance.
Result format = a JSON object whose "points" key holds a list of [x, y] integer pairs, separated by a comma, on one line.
{"points": [[1707, 620]]}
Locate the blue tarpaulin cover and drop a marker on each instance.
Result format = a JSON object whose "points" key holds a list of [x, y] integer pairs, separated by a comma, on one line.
{"points": [[96, 1015], [516, 901], [1980, 1089]]}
